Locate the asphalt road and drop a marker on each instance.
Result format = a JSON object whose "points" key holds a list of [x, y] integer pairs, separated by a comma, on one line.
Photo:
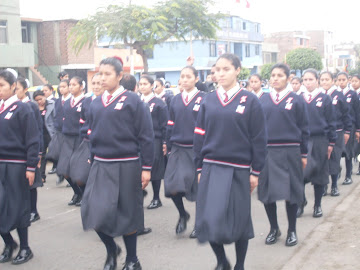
{"points": [[59, 242]]}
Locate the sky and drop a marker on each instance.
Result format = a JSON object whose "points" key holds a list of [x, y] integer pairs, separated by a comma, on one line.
{"points": [[337, 16]]}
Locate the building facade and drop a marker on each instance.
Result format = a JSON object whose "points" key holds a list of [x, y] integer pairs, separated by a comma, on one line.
{"points": [[238, 36]]}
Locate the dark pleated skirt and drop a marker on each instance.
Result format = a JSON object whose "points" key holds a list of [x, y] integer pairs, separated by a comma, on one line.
{"points": [[14, 197], [223, 205], [351, 145], [37, 181], [334, 162], [79, 163], [69, 146], [317, 168], [158, 167], [113, 200], [180, 173], [282, 176], [55, 146]]}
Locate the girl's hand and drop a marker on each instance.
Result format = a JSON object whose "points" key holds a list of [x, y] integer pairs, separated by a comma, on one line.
{"points": [[30, 176], [330, 149], [304, 162], [254, 181], [346, 138], [145, 178]]}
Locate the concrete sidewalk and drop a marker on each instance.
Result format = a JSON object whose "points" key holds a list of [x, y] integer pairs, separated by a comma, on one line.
{"points": [[335, 242]]}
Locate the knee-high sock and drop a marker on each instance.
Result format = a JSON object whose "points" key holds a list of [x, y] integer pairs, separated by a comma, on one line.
{"points": [[156, 188], [291, 210], [8, 240], [334, 179], [219, 252], [318, 189], [23, 236], [241, 247], [74, 186], [33, 200], [272, 215], [108, 242], [178, 201], [130, 244], [348, 163]]}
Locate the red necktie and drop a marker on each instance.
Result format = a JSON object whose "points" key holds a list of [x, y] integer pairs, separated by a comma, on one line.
{"points": [[226, 99], [62, 102], [73, 102], [187, 99], [2, 106], [309, 97], [277, 97], [108, 99]]}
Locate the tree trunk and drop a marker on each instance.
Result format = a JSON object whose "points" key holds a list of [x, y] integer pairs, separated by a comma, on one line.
{"points": [[141, 52]]}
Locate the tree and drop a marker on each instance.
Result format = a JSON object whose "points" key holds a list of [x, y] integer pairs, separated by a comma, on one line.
{"points": [[141, 28], [303, 58], [266, 71], [244, 74]]}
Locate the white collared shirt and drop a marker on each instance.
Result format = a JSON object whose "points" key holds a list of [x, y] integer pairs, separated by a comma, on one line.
{"points": [[330, 91], [161, 94], [230, 93], [65, 99], [282, 93], [76, 99], [345, 90], [50, 97], [310, 95], [114, 95], [25, 99], [9, 101], [259, 93], [147, 98], [190, 95]]}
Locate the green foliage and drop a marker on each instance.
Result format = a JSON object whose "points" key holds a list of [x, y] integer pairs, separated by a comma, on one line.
{"points": [[355, 70], [142, 27], [244, 74], [265, 72], [304, 58]]}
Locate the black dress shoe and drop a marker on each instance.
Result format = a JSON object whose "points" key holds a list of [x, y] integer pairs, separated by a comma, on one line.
{"points": [[291, 239], [79, 203], [52, 171], [335, 192], [325, 190], [223, 266], [347, 181], [317, 212], [358, 172], [6, 256], [154, 204], [193, 234], [181, 225], [132, 266], [272, 237], [34, 217], [111, 260], [23, 256], [144, 231], [74, 200]]}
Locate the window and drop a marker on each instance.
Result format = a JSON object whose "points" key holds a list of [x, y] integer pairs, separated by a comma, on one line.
{"points": [[244, 25], [212, 49], [247, 50], [3, 32], [25, 32], [257, 49], [257, 28]]}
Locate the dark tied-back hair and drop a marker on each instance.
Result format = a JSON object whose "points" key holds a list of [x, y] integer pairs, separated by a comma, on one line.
{"points": [[48, 85], [194, 71], [312, 71], [23, 82], [62, 74], [128, 81], [331, 75], [343, 73], [8, 77], [283, 67], [113, 61], [38, 93], [257, 76], [297, 79], [148, 78], [235, 61]]}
